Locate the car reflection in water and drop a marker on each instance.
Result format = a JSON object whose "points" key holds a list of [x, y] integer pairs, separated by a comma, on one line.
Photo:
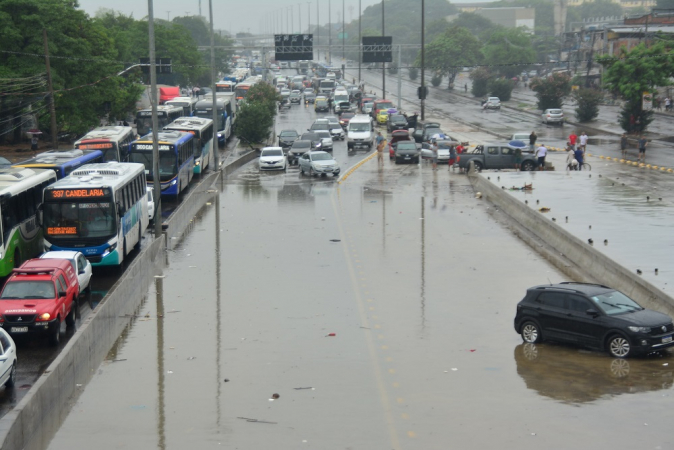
{"points": [[569, 375]]}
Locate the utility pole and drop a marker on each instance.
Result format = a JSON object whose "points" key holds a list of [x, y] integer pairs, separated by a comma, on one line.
{"points": [[52, 108], [360, 41], [299, 16], [216, 159], [330, 32], [308, 17], [383, 65], [344, 34], [155, 123], [318, 29], [400, 77], [423, 54]]}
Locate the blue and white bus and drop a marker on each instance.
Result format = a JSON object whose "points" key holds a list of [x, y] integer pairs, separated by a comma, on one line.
{"points": [[165, 115], [99, 210], [176, 159], [225, 116], [113, 141], [188, 104], [202, 129], [63, 163]]}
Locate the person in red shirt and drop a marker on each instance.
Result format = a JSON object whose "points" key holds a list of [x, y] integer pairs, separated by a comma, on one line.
{"points": [[572, 139]]}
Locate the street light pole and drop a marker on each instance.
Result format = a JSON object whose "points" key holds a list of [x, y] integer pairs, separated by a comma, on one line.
{"points": [[383, 65], [155, 123], [360, 39], [216, 157], [330, 32], [308, 17], [299, 17], [423, 55], [343, 33]]}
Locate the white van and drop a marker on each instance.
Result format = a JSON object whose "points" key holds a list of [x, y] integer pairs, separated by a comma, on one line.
{"points": [[359, 132]]}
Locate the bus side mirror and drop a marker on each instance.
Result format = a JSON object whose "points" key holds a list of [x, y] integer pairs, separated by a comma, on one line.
{"points": [[119, 209], [39, 215]]}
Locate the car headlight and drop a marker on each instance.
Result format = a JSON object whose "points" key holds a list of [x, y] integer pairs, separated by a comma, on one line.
{"points": [[219, 134], [45, 316], [639, 329], [174, 182]]}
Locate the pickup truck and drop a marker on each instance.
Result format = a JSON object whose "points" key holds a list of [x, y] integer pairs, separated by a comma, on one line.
{"points": [[496, 156]]}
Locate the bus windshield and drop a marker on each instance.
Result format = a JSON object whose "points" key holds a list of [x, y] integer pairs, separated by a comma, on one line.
{"points": [[167, 163], [144, 124], [74, 220], [208, 114]]}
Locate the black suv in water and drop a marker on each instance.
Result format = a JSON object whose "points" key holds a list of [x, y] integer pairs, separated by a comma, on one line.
{"points": [[592, 315]]}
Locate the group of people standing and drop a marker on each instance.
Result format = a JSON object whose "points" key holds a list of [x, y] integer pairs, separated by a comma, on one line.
{"points": [[642, 143], [575, 151]]}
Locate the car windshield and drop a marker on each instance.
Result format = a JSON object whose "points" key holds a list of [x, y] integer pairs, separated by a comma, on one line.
{"points": [[405, 145], [359, 126], [324, 134], [321, 157], [347, 115], [28, 289], [397, 118], [302, 144], [289, 134], [615, 302], [320, 126], [271, 153], [321, 102]]}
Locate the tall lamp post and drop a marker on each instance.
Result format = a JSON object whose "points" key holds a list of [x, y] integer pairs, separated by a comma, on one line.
{"points": [[423, 54], [360, 39], [383, 65], [155, 122], [330, 32], [343, 33]]}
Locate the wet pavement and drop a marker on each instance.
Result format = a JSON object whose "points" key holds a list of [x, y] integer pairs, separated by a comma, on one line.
{"points": [[379, 310]]}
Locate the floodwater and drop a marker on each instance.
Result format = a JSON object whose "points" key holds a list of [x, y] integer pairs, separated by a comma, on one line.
{"points": [[629, 225], [380, 311]]}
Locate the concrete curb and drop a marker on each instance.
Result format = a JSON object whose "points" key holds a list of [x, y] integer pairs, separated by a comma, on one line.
{"points": [[34, 421], [597, 265]]}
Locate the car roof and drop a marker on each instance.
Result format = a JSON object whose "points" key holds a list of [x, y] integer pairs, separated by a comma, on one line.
{"points": [[588, 289], [288, 131], [272, 148], [302, 143], [60, 254]]}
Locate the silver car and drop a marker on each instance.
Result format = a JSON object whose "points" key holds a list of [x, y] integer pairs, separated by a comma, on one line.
{"points": [[326, 140], [553, 116], [318, 163]]}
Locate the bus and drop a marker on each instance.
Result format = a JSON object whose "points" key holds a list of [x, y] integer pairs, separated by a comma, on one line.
{"points": [[165, 114], [99, 210], [242, 88], [225, 115], [225, 86], [176, 160], [188, 104], [202, 129], [62, 162], [20, 197], [113, 141]]}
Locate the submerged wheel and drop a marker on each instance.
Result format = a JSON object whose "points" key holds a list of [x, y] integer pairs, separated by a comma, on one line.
{"points": [[55, 334], [478, 166], [11, 381], [530, 333], [618, 346], [528, 166]]}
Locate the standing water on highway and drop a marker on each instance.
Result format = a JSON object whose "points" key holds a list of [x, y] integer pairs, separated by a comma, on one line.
{"points": [[631, 226]]}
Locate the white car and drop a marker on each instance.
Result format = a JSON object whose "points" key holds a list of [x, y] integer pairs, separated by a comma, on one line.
{"points": [[553, 115], [81, 265], [273, 158], [521, 136], [326, 139], [150, 201], [492, 103], [8, 360], [318, 163], [336, 130]]}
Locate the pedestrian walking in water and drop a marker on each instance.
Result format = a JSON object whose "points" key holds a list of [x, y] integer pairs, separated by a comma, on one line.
{"points": [[434, 150], [583, 141], [518, 158], [572, 139], [623, 145], [541, 153]]}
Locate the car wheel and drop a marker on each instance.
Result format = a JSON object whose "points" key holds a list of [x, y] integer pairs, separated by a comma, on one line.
{"points": [[528, 166], [530, 333], [311, 171], [478, 166], [301, 170], [11, 381], [619, 346], [397, 161], [71, 318], [55, 336]]}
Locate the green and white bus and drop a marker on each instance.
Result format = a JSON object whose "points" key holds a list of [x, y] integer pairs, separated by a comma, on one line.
{"points": [[20, 197]]}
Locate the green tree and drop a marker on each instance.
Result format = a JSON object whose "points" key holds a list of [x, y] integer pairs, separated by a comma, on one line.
{"points": [[587, 103], [508, 49], [84, 62], [631, 73], [478, 25], [256, 114], [501, 88], [551, 91], [393, 68], [436, 79], [480, 77], [451, 51]]}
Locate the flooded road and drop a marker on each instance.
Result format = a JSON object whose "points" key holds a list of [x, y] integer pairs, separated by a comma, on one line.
{"points": [[298, 313]]}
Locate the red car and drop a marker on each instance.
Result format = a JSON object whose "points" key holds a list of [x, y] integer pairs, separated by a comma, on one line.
{"points": [[397, 136], [345, 118], [38, 297]]}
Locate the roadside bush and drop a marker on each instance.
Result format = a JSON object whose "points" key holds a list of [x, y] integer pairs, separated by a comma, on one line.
{"points": [[413, 73], [393, 68], [436, 80], [551, 91], [587, 101], [480, 79], [501, 88]]}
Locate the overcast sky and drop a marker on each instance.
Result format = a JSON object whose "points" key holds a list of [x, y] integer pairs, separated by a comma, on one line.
{"points": [[239, 15]]}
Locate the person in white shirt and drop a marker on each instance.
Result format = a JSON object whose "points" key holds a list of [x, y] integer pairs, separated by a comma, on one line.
{"points": [[541, 152], [583, 141], [571, 161]]}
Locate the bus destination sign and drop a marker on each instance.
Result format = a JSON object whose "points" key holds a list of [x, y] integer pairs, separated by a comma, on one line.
{"points": [[60, 194], [61, 230], [95, 146]]}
